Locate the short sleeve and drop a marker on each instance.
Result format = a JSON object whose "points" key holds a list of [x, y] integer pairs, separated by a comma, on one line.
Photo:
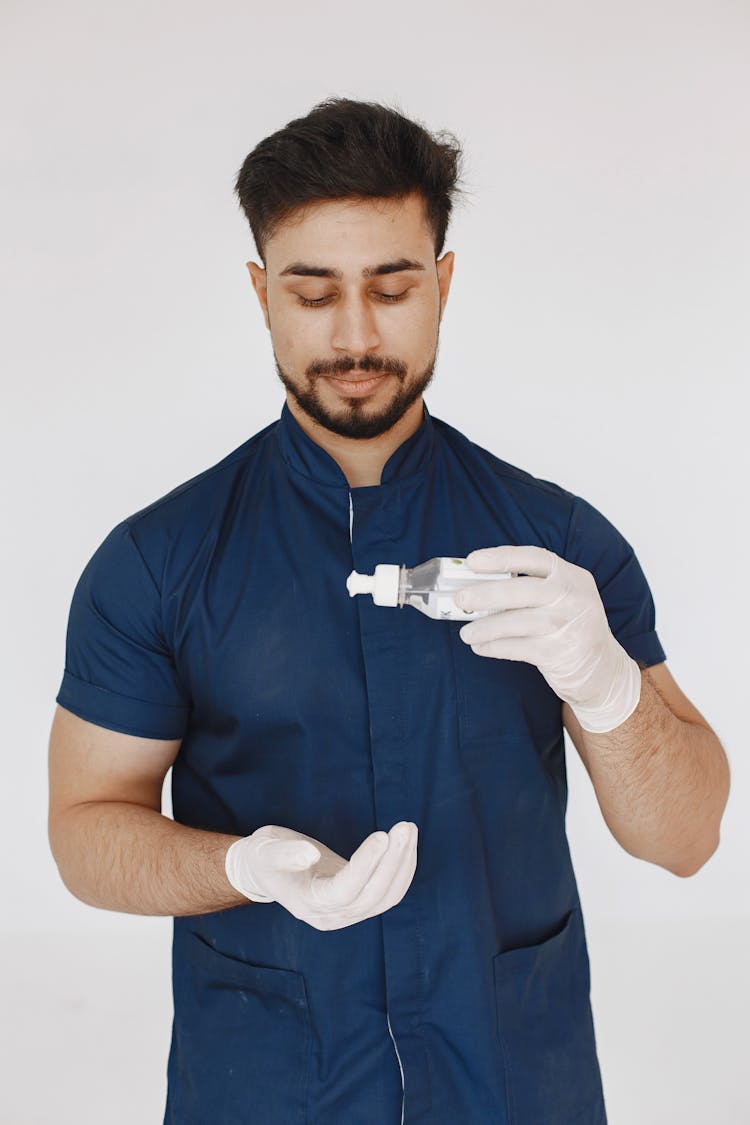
{"points": [[595, 544], [119, 672]]}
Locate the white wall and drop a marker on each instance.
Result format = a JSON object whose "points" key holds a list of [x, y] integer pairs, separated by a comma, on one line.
{"points": [[596, 335]]}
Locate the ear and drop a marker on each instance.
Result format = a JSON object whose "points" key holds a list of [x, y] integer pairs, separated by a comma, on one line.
{"points": [[444, 267], [259, 278]]}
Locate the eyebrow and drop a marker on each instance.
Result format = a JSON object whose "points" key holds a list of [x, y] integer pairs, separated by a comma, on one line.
{"points": [[302, 269]]}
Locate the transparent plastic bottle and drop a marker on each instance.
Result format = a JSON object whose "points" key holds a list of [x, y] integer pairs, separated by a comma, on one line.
{"points": [[429, 587]]}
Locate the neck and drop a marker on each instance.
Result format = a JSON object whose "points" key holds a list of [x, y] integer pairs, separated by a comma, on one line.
{"points": [[361, 460]]}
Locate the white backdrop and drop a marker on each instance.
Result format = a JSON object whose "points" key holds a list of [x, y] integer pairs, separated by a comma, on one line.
{"points": [[596, 335]]}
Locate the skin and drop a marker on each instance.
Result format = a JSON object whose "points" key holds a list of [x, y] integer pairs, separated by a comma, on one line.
{"points": [[356, 330], [113, 847], [661, 778]]}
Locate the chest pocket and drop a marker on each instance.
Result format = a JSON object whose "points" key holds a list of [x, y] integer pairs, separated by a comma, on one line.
{"points": [[502, 700]]}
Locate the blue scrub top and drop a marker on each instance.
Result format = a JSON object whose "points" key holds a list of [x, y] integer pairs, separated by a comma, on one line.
{"points": [[219, 615]]}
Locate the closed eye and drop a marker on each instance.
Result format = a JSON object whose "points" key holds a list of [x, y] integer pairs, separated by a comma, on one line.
{"points": [[381, 296]]}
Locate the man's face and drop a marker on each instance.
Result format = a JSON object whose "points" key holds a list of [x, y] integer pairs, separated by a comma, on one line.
{"points": [[380, 330]]}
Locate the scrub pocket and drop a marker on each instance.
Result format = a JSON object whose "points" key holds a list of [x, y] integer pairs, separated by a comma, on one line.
{"points": [[502, 698], [546, 1030], [241, 1042]]}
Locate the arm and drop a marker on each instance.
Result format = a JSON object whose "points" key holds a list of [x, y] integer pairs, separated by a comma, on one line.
{"points": [[661, 778], [112, 845], [659, 771], [116, 851]]}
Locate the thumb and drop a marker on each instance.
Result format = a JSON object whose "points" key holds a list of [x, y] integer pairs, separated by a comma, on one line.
{"points": [[291, 855]]}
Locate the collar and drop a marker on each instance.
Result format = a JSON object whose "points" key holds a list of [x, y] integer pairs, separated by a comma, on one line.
{"points": [[305, 456]]}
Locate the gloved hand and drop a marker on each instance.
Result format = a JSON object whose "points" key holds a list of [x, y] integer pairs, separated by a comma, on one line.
{"points": [[554, 619], [316, 885]]}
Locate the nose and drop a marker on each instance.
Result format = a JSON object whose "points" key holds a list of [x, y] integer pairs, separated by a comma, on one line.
{"points": [[354, 326]]}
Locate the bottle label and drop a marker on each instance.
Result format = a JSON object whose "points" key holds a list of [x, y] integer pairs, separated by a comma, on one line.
{"points": [[457, 572]]}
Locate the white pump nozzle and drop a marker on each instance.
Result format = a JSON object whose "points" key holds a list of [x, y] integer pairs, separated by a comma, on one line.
{"points": [[383, 584], [360, 583]]}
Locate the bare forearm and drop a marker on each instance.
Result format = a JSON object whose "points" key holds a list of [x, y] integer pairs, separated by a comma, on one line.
{"points": [[662, 784], [125, 857]]}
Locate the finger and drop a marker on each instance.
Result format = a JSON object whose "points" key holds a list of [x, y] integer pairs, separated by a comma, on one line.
{"points": [[513, 623], [401, 883], [507, 593], [536, 561], [288, 855], [356, 912], [381, 883], [347, 883], [528, 649]]}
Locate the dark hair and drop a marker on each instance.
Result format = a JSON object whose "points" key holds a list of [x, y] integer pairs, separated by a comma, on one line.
{"points": [[348, 149]]}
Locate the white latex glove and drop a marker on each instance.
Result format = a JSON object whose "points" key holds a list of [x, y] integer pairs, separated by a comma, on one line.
{"points": [[554, 619], [316, 885]]}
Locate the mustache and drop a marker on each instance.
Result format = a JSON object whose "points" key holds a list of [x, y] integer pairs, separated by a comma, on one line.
{"points": [[370, 365]]}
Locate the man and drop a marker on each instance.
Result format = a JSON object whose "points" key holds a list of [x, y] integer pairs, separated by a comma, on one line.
{"points": [[322, 973]]}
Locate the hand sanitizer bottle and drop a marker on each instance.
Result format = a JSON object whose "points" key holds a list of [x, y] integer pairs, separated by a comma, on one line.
{"points": [[429, 587]]}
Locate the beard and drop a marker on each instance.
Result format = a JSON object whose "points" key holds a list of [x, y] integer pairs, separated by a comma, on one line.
{"points": [[355, 418]]}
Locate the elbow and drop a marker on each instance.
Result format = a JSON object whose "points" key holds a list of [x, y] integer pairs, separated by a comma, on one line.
{"points": [[74, 888], [687, 868], [56, 840], [686, 872], [66, 878], [59, 845], [701, 856]]}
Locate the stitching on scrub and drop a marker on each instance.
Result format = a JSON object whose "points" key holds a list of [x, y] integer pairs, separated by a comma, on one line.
{"points": [[509, 1103], [231, 459], [510, 1107], [419, 927], [120, 728], [319, 484], [650, 633], [498, 467], [458, 685], [168, 650], [134, 698], [139, 552], [639, 636], [146, 567], [417, 911], [564, 550]]}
